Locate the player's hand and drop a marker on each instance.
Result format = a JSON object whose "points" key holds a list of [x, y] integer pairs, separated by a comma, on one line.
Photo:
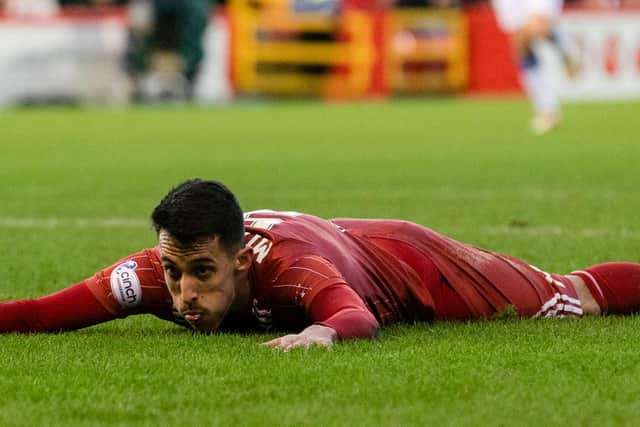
{"points": [[313, 335]]}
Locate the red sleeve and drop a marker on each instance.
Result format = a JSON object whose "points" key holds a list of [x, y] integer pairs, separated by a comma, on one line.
{"points": [[314, 284], [133, 285], [339, 307], [72, 308]]}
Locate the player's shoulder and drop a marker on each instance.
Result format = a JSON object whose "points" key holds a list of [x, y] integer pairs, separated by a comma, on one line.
{"points": [[378, 225], [277, 237], [267, 219], [282, 225]]}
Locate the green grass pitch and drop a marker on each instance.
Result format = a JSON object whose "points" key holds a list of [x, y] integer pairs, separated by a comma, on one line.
{"points": [[77, 186]]}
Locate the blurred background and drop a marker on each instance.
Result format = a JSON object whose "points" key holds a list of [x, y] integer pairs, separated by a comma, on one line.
{"points": [[207, 51]]}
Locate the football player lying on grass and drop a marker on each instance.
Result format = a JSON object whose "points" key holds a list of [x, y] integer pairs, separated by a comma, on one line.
{"points": [[324, 280]]}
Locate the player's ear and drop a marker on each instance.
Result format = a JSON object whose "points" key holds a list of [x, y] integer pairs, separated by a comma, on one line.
{"points": [[243, 259]]}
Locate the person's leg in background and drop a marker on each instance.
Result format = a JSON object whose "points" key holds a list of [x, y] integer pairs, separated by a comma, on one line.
{"points": [[527, 22], [194, 19]]}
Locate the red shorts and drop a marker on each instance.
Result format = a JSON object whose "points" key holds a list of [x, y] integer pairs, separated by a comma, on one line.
{"points": [[448, 304]]}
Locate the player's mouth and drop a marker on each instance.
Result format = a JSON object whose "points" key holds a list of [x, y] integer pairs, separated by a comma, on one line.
{"points": [[192, 316]]}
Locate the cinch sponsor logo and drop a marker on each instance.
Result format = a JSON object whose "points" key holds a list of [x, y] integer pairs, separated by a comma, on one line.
{"points": [[125, 284]]}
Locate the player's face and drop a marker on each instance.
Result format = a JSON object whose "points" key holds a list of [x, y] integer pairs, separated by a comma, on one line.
{"points": [[201, 278]]}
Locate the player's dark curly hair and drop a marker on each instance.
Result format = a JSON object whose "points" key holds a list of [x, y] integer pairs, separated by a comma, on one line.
{"points": [[197, 209]]}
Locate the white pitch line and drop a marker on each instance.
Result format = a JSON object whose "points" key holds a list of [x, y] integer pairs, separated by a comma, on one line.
{"points": [[52, 223], [550, 230]]}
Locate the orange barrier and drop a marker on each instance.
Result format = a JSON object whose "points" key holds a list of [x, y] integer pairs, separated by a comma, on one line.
{"points": [[352, 53], [279, 52], [426, 51]]}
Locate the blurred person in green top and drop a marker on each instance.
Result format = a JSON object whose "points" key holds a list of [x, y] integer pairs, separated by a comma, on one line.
{"points": [[165, 47]]}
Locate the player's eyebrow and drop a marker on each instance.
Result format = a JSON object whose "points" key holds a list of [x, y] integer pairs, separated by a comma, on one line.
{"points": [[202, 261]]}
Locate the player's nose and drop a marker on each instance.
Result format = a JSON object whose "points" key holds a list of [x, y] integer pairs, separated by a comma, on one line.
{"points": [[188, 290]]}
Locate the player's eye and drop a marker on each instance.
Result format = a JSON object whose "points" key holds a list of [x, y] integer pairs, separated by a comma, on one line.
{"points": [[172, 272], [203, 271]]}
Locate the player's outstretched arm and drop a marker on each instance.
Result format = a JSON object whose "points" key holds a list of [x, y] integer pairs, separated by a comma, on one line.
{"points": [[72, 308], [133, 285]]}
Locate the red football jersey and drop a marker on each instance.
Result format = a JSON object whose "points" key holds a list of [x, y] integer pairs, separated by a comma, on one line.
{"points": [[297, 256]]}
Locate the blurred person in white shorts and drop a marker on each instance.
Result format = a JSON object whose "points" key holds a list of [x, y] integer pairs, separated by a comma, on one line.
{"points": [[527, 22]]}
